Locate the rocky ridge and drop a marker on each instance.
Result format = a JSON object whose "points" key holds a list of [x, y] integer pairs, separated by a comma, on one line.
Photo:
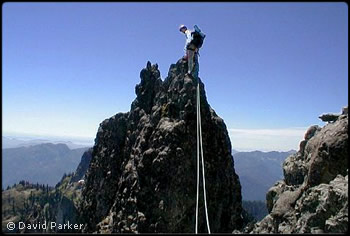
{"points": [[313, 196], [142, 175]]}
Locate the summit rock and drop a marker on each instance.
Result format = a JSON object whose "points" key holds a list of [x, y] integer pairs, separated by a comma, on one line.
{"points": [[142, 174]]}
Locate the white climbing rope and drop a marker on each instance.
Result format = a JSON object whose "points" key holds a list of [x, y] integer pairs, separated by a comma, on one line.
{"points": [[200, 143], [196, 229]]}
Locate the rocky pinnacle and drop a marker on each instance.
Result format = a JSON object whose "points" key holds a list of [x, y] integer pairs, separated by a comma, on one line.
{"points": [[142, 175]]}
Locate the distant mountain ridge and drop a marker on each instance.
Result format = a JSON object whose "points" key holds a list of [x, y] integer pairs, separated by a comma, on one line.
{"points": [[259, 170], [15, 142], [36, 203], [43, 163]]}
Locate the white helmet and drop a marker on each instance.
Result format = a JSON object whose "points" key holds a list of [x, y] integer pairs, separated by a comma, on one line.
{"points": [[182, 26]]}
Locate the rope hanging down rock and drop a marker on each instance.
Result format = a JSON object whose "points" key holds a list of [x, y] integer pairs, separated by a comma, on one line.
{"points": [[200, 144]]}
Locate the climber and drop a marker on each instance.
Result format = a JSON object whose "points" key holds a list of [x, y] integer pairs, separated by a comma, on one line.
{"points": [[194, 41]]}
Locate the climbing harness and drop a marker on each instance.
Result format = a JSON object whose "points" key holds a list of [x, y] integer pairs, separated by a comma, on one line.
{"points": [[200, 147]]}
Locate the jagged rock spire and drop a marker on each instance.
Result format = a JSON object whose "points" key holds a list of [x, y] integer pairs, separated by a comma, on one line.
{"points": [[142, 176]]}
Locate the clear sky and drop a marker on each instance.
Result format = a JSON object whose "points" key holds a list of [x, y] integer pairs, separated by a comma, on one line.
{"points": [[270, 69]]}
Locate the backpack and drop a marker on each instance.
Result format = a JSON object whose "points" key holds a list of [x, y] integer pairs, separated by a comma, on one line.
{"points": [[197, 38]]}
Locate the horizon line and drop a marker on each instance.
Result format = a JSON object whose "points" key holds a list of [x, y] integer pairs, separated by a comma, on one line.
{"points": [[33, 135], [250, 130]]}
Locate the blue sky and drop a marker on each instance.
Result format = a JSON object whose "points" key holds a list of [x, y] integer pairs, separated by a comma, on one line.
{"points": [[269, 68]]}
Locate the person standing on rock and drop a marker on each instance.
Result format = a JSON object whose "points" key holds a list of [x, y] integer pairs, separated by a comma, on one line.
{"points": [[194, 40]]}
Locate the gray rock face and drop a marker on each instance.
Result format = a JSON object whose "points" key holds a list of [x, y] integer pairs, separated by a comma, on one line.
{"points": [[313, 197], [142, 175], [82, 167], [344, 110], [329, 117]]}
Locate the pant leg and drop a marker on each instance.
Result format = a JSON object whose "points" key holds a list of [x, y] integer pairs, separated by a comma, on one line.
{"points": [[190, 57], [196, 66]]}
